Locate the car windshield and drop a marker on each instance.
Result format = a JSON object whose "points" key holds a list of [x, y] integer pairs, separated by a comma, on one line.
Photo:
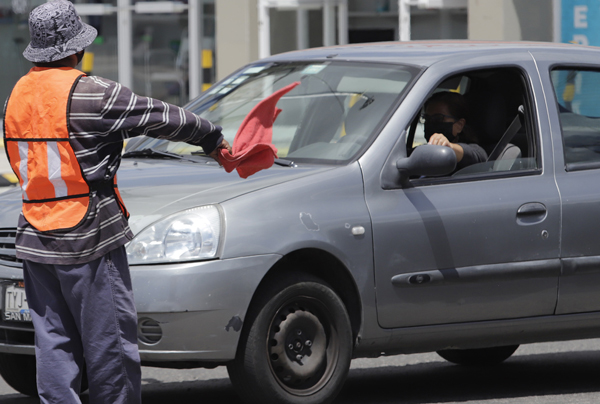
{"points": [[329, 117]]}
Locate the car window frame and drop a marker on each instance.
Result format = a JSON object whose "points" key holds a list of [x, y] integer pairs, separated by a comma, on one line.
{"points": [[530, 121]]}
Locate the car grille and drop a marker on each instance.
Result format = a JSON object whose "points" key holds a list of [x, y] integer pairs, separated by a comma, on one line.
{"points": [[7, 248]]}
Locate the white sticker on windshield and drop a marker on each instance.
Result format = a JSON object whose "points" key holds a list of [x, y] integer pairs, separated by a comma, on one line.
{"points": [[255, 69], [313, 69], [239, 80], [219, 88]]}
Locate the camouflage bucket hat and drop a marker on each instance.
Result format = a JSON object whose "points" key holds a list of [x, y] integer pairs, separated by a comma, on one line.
{"points": [[57, 32]]}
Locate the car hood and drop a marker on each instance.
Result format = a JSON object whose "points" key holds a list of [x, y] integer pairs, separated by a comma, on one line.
{"points": [[152, 189]]}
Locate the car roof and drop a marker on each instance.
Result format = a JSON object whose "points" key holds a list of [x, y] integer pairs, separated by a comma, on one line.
{"points": [[423, 53]]}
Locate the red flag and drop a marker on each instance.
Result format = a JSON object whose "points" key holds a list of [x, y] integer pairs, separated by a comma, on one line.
{"points": [[252, 148]]}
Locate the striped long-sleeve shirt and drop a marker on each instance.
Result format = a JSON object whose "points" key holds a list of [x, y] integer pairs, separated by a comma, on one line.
{"points": [[101, 115]]}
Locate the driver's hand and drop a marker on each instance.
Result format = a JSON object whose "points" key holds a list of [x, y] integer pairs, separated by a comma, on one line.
{"points": [[215, 153], [439, 140]]}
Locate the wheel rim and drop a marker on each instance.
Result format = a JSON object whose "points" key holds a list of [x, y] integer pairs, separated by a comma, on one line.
{"points": [[302, 346]]}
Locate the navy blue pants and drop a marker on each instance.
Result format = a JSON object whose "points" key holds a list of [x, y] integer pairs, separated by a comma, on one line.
{"points": [[85, 314]]}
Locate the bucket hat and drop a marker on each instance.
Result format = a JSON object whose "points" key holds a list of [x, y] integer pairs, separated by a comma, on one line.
{"points": [[57, 32]]}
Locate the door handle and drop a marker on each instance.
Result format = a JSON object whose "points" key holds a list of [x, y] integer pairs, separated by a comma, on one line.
{"points": [[531, 213]]}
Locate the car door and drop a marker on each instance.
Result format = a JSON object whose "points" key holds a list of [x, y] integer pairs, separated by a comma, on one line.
{"points": [[477, 246], [575, 105]]}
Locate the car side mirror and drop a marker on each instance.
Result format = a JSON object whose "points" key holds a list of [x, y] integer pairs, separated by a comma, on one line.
{"points": [[427, 160]]}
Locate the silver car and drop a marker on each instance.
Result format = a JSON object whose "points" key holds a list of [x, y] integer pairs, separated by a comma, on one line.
{"points": [[361, 240]]}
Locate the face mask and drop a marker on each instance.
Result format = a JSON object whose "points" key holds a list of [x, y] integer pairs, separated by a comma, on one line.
{"points": [[445, 128]]}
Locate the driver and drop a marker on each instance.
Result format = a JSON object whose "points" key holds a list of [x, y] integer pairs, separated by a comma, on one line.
{"points": [[445, 119]]}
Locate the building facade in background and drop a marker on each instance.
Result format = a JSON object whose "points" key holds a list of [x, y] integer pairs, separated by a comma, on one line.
{"points": [[232, 32], [159, 52]]}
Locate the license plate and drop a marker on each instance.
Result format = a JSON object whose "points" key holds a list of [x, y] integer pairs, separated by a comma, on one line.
{"points": [[15, 304]]}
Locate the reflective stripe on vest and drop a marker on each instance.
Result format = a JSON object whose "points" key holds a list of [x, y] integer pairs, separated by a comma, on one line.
{"points": [[56, 195]]}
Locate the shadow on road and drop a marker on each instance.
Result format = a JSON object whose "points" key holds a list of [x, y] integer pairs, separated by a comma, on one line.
{"points": [[437, 382], [442, 382], [205, 391]]}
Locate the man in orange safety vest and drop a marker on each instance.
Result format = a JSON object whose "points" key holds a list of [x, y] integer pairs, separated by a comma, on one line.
{"points": [[64, 134]]}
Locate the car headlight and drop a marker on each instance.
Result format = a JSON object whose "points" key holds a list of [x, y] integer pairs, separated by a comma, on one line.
{"points": [[185, 236]]}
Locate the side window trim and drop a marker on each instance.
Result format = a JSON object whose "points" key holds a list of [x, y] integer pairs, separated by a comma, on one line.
{"points": [[532, 133]]}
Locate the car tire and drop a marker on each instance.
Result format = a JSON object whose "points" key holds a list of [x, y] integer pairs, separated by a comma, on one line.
{"points": [[478, 357], [296, 345], [19, 372]]}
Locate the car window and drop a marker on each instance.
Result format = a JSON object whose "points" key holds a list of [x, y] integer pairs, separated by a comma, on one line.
{"points": [[499, 133], [578, 97], [329, 117]]}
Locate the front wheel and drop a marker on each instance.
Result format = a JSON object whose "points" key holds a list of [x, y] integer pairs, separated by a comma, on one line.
{"points": [[296, 346], [18, 371], [478, 357]]}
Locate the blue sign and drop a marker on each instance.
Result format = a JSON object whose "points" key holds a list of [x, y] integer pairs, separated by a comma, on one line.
{"points": [[580, 22]]}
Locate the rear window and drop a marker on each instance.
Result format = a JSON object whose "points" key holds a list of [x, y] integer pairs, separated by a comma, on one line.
{"points": [[578, 97]]}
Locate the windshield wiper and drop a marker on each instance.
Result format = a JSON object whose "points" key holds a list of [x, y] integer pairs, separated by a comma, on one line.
{"points": [[153, 153], [199, 153], [279, 162], [285, 163]]}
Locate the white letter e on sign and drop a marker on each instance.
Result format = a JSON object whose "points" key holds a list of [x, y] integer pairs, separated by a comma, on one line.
{"points": [[580, 16]]}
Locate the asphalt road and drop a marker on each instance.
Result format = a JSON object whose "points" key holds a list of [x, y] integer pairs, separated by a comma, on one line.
{"points": [[550, 373]]}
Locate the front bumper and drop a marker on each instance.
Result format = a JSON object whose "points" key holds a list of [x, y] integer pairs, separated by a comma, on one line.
{"points": [[197, 309]]}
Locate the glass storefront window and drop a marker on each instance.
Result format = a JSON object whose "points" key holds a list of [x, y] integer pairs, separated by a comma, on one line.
{"points": [[101, 58], [160, 65], [159, 55], [14, 31]]}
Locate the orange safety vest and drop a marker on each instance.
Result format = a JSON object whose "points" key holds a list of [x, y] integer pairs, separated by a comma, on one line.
{"points": [[56, 194]]}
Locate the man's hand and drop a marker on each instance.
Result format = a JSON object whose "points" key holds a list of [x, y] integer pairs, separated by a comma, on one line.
{"points": [[215, 153]]}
